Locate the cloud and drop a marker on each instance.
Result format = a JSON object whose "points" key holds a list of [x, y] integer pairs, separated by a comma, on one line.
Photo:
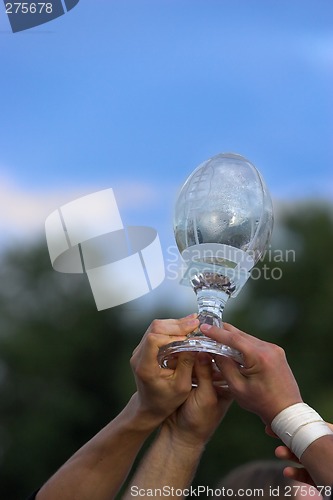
{"points": [[135, 194], [23, 210]]}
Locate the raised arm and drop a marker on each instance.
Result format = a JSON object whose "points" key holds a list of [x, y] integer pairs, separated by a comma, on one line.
{"points": [[169, 466], [99, 468]]}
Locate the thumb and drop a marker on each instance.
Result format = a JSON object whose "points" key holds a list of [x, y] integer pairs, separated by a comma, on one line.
{"points": [[203, 370], [185, 363], [230, 370]]}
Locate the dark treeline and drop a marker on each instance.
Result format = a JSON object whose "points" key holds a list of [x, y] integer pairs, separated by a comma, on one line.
{"points": [[64, 367]]}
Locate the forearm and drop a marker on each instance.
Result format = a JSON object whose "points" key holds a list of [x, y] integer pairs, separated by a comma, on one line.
{"points": [[171, 462], [318, 460], [100, 467], [309, 438]]}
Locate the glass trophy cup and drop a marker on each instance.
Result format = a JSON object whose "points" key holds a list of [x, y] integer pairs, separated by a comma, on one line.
{"points": [[222, 223]]}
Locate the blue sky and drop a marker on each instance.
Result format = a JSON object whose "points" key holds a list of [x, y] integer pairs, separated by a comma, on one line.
{"points": [[134, 94]]}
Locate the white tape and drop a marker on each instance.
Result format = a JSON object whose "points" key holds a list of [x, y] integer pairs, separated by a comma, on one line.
{"points": [[298, 426]]}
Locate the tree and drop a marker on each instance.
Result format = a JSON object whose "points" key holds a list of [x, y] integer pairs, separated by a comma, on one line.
{"points": [[64, 370]]}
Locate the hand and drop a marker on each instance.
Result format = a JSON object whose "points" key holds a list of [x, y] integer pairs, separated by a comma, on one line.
{"points": [[173, 457], [197, 418], [162, 390], [296, 473], [264, 384]]}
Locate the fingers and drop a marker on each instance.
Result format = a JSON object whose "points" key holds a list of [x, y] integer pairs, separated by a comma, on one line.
{"points": [[230, 371], [284, 453], [264, 383], [232, 329], [146, 353], [257, 354], [212, 387], [184, 368], [238, 337], [233, 337], [203, 370], [174, 328], [298, 474], [160, 333]]}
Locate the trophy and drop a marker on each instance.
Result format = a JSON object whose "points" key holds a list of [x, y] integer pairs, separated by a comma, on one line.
{"points": [[223, 222]]}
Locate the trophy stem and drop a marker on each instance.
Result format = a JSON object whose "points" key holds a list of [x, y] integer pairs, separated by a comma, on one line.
{"points": [[211, 305], [213, 291]]}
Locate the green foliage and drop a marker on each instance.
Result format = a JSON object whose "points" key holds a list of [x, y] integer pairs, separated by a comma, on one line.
{"points": [[64, 367]]}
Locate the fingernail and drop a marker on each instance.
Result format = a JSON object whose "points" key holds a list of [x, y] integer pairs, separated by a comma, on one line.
{"points": [[193, 315], [204, 327]]}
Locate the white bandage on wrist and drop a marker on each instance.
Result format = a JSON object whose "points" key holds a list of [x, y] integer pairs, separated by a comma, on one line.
{"points": [[298, 426]]}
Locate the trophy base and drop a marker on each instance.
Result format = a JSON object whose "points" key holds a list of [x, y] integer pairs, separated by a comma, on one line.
{"points": [[196, 344]]}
